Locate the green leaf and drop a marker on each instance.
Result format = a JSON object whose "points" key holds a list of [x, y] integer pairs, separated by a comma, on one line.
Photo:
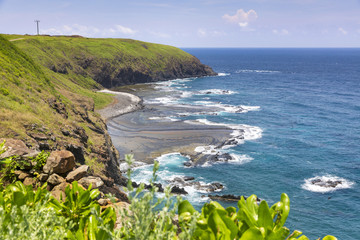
{"points": [[185, 206], [94, 193], [84, 198], [92, 227], [329, 237], [265, 220], [252, 234]]}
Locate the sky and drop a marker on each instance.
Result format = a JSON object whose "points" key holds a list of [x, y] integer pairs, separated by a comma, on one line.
{"points": [[192, 23]]}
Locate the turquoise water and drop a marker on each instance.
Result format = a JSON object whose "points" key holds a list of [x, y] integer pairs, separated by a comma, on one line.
{"points": [[300, 110]]}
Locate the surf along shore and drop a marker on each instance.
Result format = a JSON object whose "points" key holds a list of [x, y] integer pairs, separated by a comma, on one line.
{"points": [[136, 128]]}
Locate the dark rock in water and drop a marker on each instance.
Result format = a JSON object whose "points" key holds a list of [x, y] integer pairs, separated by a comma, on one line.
{"points": [[223, 157], [188, 178], [327, 184], [178, 190], [188, 164], [211, 187]]}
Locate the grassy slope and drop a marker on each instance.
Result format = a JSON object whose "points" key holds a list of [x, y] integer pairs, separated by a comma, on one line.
{"points": [[25, 90], [85, 59]]}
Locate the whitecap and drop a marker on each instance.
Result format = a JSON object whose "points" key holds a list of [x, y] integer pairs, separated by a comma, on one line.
{"points": [[223, 74], [321, 183], [165, 119], [216, 92], [256, 71]]}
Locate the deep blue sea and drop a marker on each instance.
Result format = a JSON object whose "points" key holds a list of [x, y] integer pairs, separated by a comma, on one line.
{"points": [[301, 116]]}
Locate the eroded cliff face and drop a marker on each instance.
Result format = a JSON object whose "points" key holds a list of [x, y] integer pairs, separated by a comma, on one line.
{"points": [[85, 135], [110, 76]]}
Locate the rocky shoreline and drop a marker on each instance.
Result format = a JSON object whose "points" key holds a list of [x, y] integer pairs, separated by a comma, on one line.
{"points": [[123, 103]]}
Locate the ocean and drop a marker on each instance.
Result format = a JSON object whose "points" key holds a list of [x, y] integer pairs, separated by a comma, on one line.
{"points": [[298, 110]]}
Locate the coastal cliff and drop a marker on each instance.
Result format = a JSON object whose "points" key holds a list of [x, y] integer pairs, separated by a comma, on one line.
{"points": [[49, 91], [112, 62]]}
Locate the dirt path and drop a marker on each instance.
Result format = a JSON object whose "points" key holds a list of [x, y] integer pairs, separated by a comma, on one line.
{"points": [[16, 39]]}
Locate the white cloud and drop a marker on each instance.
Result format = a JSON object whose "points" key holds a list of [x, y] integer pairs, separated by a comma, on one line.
{"points": [[202, 32], [89, 31], [213, 33], [125, 30], [343, 31], [241, 17], [282, 32]]}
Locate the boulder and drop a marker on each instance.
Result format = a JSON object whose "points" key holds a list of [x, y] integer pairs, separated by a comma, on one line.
{"points": [[43, 177], [95, 182], [77, 174], [59, 162], [178, 190], [58, 191], [55, 179], [188, 178], [16, 147], [29, 181]]}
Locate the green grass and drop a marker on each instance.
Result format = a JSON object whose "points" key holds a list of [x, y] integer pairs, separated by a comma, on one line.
{"points": [[81, 59]]}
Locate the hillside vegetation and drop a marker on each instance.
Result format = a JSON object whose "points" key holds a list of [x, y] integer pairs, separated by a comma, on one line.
{"points": [[110, 62], [48, 90], [48, 111]]}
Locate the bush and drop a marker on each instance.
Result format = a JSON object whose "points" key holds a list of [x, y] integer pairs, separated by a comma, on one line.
{"points": [[4, 91], [29, 214]]}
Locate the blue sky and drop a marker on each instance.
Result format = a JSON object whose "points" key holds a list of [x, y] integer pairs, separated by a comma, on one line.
{"points": [[195, 23]]}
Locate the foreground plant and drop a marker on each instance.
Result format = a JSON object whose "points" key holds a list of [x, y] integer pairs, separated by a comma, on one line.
{"points": [[146, 217], [250, 222]]}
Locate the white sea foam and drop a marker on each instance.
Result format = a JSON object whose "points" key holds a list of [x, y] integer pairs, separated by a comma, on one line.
{"points": [[240, 158], [216, 92], [228, 108], [208, 150], [249, 132], [255, 71], [321, 183], [165, 119], [223, 74], [161, 100]]}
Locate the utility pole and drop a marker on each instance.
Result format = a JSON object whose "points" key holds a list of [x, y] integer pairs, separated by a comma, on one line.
{"points": [[37, 26]]}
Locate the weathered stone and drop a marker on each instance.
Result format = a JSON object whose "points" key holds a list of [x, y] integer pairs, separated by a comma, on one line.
{"points": [[188, 178], [95, 182], [15, 147], [65, 132], [39, 136], [29, 181], [55, 179], [59, 191], [178, 190], [104, 202], [23, 175], [43, 177], [78, 152], [77, 173], [59, 162]]}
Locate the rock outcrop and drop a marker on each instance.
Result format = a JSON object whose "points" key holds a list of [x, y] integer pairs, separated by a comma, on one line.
{"points": [[58, 172]]}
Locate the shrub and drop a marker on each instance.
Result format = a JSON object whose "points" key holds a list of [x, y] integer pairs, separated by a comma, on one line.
{"points": [[4, 91]]}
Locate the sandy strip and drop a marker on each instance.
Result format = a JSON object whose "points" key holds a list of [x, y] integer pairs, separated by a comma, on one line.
{"points": [[123, 103]]}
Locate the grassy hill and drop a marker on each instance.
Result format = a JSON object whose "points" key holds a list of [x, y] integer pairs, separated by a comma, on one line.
{"points": [[110, 62]]}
